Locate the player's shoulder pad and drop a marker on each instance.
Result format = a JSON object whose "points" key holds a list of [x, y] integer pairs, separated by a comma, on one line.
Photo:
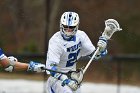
{"points": [[81, 33], [55, 38]]}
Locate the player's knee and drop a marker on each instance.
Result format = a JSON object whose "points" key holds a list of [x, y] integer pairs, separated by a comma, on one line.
{"points": [[67, 89]]}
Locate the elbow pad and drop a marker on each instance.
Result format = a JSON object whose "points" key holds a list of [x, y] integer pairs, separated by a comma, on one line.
{"points": [[12, 62]]}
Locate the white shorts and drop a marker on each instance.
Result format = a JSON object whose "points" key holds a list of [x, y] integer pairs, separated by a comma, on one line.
{"points": [[54, 86]]}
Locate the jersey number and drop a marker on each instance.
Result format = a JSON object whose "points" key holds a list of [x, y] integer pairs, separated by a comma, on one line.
{"points": [[72, 58]]}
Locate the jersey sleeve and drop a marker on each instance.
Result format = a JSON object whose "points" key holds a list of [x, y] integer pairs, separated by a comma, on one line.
{"points": [[87, 46], [2, 55], [54, 51]]}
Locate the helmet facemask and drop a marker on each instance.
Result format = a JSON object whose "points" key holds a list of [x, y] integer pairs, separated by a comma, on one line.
{"points": [[68, 31]]}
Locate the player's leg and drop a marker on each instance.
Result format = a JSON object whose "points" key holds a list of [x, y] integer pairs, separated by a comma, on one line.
{"points": [[63, 89], [54, 86], [58, 88], [49, 84], [78, 90]]}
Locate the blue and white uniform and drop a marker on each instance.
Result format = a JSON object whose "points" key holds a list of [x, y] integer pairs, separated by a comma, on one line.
{"points": [[65, 48], [65, 54]]}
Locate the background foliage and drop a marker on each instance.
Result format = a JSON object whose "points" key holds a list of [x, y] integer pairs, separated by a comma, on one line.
{"points": [[23, 23]]}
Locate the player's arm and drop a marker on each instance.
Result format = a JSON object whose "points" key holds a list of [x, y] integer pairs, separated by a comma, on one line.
{"points": [[103, 50], [88, 48], [4, 62], [12, 64], [32, 66], [15, 65], [20, 66]]}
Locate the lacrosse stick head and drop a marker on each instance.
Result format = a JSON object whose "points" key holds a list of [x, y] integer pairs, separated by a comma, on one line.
{"points": [[111, 26]]}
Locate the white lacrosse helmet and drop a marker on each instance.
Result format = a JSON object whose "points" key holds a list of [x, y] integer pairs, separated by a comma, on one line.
{"points": [[69, 23]]}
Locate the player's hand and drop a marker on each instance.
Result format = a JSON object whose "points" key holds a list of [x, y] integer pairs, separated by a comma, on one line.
{"points": [[71, 83], [102, 43], [77, 75], [35, 67]]}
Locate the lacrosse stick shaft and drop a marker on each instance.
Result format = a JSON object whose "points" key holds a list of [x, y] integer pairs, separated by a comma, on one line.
{"points": [[97, 50], [53, 70], [111, 27]]}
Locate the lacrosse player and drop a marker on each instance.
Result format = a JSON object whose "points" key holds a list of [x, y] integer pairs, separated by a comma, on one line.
{"points": [[11, 63], [65, 48]]}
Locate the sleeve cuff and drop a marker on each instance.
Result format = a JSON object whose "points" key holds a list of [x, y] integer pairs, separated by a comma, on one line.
{"points": [[3, 57]]}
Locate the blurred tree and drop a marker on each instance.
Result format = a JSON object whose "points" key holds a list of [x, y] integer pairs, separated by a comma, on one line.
{"points": [[23, 21]]}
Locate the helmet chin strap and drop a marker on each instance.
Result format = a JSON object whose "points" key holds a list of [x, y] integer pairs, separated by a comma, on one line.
{"points": [[72, 38]]}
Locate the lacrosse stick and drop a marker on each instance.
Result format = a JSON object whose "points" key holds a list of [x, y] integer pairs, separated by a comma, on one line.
{"points": [[111, 26], [53, 70], [66, 73]]}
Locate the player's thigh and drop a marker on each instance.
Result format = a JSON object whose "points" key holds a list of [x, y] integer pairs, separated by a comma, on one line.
{"points": [[78, 90], [58, 88], [65, 89], [54, 86], [49, 83]]}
